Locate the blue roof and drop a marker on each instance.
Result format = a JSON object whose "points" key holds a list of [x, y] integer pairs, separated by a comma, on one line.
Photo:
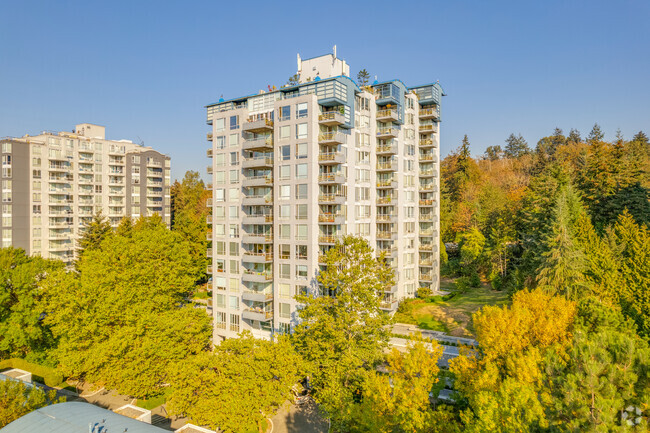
{"points": [[75, 417]]}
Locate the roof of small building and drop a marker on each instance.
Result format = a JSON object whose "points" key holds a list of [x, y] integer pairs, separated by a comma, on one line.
{"points": [[77, 417]]}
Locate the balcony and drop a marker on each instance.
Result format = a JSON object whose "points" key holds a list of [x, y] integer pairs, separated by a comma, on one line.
{"points": [[427, 202], [255, 238], [331, 138], [386, 200], [387, 150], [387, 115], [251, 295], [428, 248], [389, 305], [429, 187], [428, 127], [331, 198], [252, 257], [260, 125], [257, 277], [426, 263], [386, 235], [257, 180], [331, 178], [428, 173], [257, 200], [426, 276], [426, 143], [258, 219], [260, 315], [427, 158], [390, 132], [331, 218], [258, 162], [427, 218], [388, 183], [209, 170], [387, 166], [429, 113], [209, 153], [331, 158], [258, 143], [208, 219], [331, 118], [208, 186], [386, 218], [328, 239]]}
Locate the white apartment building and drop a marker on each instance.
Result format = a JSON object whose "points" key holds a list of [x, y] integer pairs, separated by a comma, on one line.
{"points": [[294, 169], [53, 183]]}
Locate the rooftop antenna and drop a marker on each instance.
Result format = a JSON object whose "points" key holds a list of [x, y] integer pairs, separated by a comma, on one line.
{"points": [[335, 51], [141, 141]]}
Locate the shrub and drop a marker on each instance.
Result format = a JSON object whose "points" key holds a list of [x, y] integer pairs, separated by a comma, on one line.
{"points": [[41, 374], [424, 292]]}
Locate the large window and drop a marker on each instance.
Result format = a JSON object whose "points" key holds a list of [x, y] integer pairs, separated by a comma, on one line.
{"points": [[285, 310], [285, 192], [301, 191], [301, 110], [285, 112], [301, 130], [285, 172], [301, 171], [285, 231], [301, 150], [234, 122], [301, 211], [285, 131], [220, 124], [285, 152]]}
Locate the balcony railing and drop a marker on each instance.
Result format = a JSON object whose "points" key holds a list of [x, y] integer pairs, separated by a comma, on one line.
{"points": [[330, 198], [386, 166], [265, 256], [267, 275], [385, 200], [385, 217], [329, 156], [427, 202], [387, 132], [209, 136], [331, 118], [429, 113], [426, 142], [327, 239], [331, 137], [328, 217], [428, 127]]}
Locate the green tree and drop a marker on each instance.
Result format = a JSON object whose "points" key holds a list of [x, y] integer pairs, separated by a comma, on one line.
{"points": [[595, 135], [472, 252], [94, 232], [493, 153], [502, 236], [641, 137], [22, 333], [363, 77], [122, 319], [399, 400], [516, 146], [293, 80], [342, 334], [189, 211], [246, 379], [18, 399], [573, 137]]}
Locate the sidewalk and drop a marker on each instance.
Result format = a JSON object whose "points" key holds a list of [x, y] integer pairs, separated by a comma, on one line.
{"points": [[407, 330]]}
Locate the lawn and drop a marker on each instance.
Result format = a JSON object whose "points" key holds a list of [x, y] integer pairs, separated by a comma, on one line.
{"points": [[453, 315]]}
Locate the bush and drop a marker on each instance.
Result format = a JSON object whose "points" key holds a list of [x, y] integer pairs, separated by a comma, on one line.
{"points": [[46, 375], [463, 284], [424, 292]]}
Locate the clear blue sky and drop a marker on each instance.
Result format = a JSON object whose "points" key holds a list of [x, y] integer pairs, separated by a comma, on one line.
{"points": [[147, 69]]}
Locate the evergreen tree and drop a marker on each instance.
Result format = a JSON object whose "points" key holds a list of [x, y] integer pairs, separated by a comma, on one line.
{"points": [[573, 137], [641, 137], [516, 146], [98, 229], [595, 135], [362, 78], [494, 153]]}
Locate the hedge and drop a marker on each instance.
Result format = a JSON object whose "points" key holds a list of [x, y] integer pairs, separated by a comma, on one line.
{"points": [[40, 374]]}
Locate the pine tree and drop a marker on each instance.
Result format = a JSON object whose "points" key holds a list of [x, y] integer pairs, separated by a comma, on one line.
{"points": [[595, 135], [573, 137], [516, 146], [641, 137], [98, 229], [493, 153], [362, 78]]}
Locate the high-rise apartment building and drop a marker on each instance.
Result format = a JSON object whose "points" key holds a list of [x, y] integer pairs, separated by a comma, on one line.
{"points": [[53, 183], [296, 168]]}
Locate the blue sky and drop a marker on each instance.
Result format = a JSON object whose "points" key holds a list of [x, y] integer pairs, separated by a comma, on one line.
{"points": [[146, 70]]}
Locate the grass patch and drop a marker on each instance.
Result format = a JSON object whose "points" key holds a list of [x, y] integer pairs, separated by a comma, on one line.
{"points": [[202, 295], [153, 402]]}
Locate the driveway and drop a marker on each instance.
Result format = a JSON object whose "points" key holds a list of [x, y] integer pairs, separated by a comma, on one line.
{"points": [[304, 419]]}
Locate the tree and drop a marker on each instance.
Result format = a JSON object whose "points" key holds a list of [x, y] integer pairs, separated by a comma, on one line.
{"points": [[293, 80], [363, 77], [641, 137], [595, 135], [189, 211], [18, 399], [123, 319], [341, 335], [564, 264], [22, 333], [246, 378], [573, 137], [516, 146], [95, 231], [472, 249], [400, 400], [501, 238], [494, 153]]}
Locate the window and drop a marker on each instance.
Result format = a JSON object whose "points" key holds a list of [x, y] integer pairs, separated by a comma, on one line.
{"points": [[301, 150], [234, 158], [220, 142], [285, 270], [36, 174], [301, 211], [234, 231], [363, 211], [285, 112], [285, 172], [219, 229], [285, 328], [285, 131], [219, 194], [363, 229], [220, 320], [301, 232], [233, 285], [285, 290], [285, 192], [6, 159], [233, 194], [301, 171], [220, 124], [363, 157], [36, 162], [233, 139], [219, 212], [301, 130], [363, 140], [220, 159], [233, 212], [284, 251], [285, 310], [301, 252], [234, 323], [234, 176], [301, 191], [219, 177], [234, 266], [301, 272], [220, 248], [285, 211], [6, 147], [285, 231], [362, 193], [234, 249], [221, 300], [220, 266], [301, 110], [285, 152], [234, 122]]}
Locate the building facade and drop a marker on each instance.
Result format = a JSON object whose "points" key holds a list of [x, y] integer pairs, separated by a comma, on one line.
{"points": [[295, 169], [53, 183]]}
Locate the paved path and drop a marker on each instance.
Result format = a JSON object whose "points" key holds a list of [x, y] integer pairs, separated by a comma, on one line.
{"points": [[304, 419], [406, 329]]}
